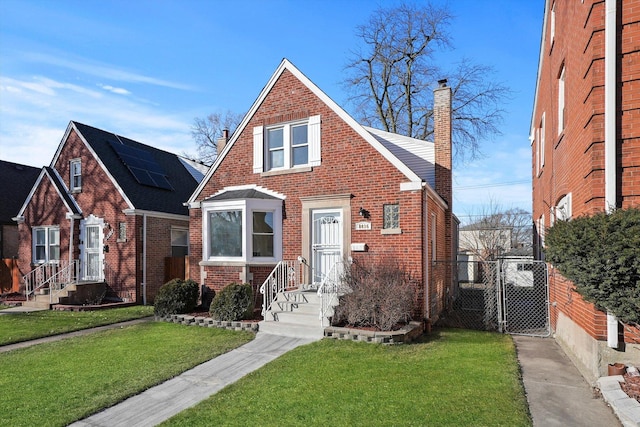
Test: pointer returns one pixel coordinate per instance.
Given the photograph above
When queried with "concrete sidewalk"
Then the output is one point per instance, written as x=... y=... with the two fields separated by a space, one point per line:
x=161 y=402
x=557 y=393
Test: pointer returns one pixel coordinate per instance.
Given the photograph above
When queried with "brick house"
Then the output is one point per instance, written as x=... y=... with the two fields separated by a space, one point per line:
x=301 y=180
x=107 y=209
x=586 y=153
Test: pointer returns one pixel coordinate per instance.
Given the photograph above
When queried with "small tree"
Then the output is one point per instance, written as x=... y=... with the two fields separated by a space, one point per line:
x=600 y=254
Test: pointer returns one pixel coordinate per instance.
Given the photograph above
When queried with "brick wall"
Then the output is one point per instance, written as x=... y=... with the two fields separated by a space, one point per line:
x=574 y=158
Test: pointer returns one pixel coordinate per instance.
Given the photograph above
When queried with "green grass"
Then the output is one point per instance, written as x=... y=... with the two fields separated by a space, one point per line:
x=17 y=327
x=57 y=383
x=456 y=378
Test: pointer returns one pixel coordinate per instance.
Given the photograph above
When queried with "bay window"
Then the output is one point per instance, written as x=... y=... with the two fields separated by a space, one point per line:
x=243 y=230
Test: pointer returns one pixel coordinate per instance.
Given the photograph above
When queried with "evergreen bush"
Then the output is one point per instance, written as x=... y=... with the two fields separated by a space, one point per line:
x=176 y=297
x=234 y=302
x=600 y=254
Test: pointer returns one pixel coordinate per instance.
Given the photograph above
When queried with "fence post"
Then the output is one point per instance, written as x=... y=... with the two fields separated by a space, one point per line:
x=500 y=295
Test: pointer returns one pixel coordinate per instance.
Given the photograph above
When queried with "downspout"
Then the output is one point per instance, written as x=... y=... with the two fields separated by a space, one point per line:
x=610 y=190
x=144 y=259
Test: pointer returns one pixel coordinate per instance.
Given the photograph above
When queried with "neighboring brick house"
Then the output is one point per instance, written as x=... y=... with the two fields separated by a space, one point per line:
x=17 y=181
x=301 y=178
x=586 y=152
x=111 y=204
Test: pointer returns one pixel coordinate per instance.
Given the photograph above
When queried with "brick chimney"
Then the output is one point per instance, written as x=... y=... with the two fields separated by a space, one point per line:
x=222 y=142
x=442 y=140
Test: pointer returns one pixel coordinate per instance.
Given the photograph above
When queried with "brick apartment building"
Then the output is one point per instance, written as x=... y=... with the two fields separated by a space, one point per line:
x=585 y=133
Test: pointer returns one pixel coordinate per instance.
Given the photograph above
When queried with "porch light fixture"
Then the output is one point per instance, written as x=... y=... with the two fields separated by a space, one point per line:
x=363 y=212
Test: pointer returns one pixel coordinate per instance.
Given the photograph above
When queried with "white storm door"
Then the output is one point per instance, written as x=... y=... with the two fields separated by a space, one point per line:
x=92 y=254
x=326 y=242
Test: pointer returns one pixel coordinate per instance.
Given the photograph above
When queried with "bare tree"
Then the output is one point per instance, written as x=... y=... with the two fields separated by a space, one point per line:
x=207 y=131
x=392 y=76
x=496 y=231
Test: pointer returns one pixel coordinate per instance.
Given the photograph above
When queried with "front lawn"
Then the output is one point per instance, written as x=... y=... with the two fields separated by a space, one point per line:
x=454 y=378
x=61 y=382
x=17 y=327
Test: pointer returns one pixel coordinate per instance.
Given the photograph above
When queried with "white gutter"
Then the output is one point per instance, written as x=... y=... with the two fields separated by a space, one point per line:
x=144 y=259
x=610 y=190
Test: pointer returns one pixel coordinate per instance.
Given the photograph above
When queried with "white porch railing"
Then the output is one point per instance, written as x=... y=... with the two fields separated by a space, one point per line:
x=286 y=276
x=64 y=277
x=329 y=290
x=50 y=276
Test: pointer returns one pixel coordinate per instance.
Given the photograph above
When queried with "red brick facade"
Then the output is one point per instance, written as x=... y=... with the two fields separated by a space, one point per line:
x=352 y=175
x=99 y=198
x=569 y=149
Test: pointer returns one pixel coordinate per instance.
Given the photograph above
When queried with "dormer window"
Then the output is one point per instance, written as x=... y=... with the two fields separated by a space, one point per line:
x=75 y=179
x=287 y=146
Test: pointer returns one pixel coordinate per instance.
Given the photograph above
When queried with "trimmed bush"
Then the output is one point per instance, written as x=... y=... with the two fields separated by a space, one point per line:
x=234 y=302
x=382 y=295
x=600 y=254
x=176 y=297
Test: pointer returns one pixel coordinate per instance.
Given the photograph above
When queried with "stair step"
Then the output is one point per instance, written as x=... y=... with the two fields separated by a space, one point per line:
x=37 y=303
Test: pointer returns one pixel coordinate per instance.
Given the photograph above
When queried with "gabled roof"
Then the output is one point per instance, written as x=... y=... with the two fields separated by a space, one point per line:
x=50 y=173
x=181 y=175
x=400 y=151
x=17 y=180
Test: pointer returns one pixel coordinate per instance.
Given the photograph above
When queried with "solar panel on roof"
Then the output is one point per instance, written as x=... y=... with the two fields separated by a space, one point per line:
x=144 y=168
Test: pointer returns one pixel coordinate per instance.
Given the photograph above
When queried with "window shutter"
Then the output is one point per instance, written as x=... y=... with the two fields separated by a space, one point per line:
x=314 y=141
x=258 y=148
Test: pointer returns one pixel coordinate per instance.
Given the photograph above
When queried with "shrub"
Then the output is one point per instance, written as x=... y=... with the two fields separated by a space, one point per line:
x=381 y=295
x=600 y=254
x=176 y=297
x=233 y=302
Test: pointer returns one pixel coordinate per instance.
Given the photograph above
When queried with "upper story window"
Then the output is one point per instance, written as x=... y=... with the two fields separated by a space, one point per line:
x=75 y=178
x=286 y=146
x=46 y=244
x=540 y=145
x=561 y=98
x=245 y=230
x=563 y=208
x=552 y=31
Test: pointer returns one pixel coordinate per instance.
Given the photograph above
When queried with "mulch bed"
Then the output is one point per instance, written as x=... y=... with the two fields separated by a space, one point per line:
x=631 y=386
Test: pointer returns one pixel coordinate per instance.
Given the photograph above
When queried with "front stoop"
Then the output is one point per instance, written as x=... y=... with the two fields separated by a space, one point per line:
x=626 y=409
x=294 y=314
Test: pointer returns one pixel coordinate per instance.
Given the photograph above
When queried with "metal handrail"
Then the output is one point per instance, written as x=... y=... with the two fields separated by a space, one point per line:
x=41 y=276
x=66 y=276
x=285 y=276
x=329 y=290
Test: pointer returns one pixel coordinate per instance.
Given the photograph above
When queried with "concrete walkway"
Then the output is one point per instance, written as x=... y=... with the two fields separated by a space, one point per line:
x=161 y=402
x=557 y=393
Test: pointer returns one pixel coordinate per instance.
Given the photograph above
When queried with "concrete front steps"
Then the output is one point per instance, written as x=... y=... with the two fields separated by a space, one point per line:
x=73 y=294
x=294 y=314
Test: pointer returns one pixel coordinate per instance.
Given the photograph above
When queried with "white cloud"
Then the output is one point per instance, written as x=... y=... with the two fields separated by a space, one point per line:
x=117 y=90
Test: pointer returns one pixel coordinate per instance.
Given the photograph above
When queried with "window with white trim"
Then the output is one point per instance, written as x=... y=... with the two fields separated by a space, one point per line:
x=541 y=143
x=561 y=99
x=287 y=145
x=433 y=237
x=242 y=230
x=553 y=24
x=563 y=208
x=75 y=178
x=46 y=244
x=179 y=242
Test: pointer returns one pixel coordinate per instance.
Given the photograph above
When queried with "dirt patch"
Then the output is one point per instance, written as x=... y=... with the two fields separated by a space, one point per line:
x=631 y=386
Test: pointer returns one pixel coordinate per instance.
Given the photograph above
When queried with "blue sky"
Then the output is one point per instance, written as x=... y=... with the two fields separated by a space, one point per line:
x=145 y=69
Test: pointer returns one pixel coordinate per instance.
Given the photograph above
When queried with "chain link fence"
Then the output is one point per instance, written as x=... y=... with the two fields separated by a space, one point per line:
x=509 y=295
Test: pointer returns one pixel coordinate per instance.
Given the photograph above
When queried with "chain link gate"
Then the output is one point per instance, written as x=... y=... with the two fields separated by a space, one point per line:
x=508 y=295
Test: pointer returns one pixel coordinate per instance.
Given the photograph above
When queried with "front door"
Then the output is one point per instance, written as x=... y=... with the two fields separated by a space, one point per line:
x=91 y=250
x=326 y=242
